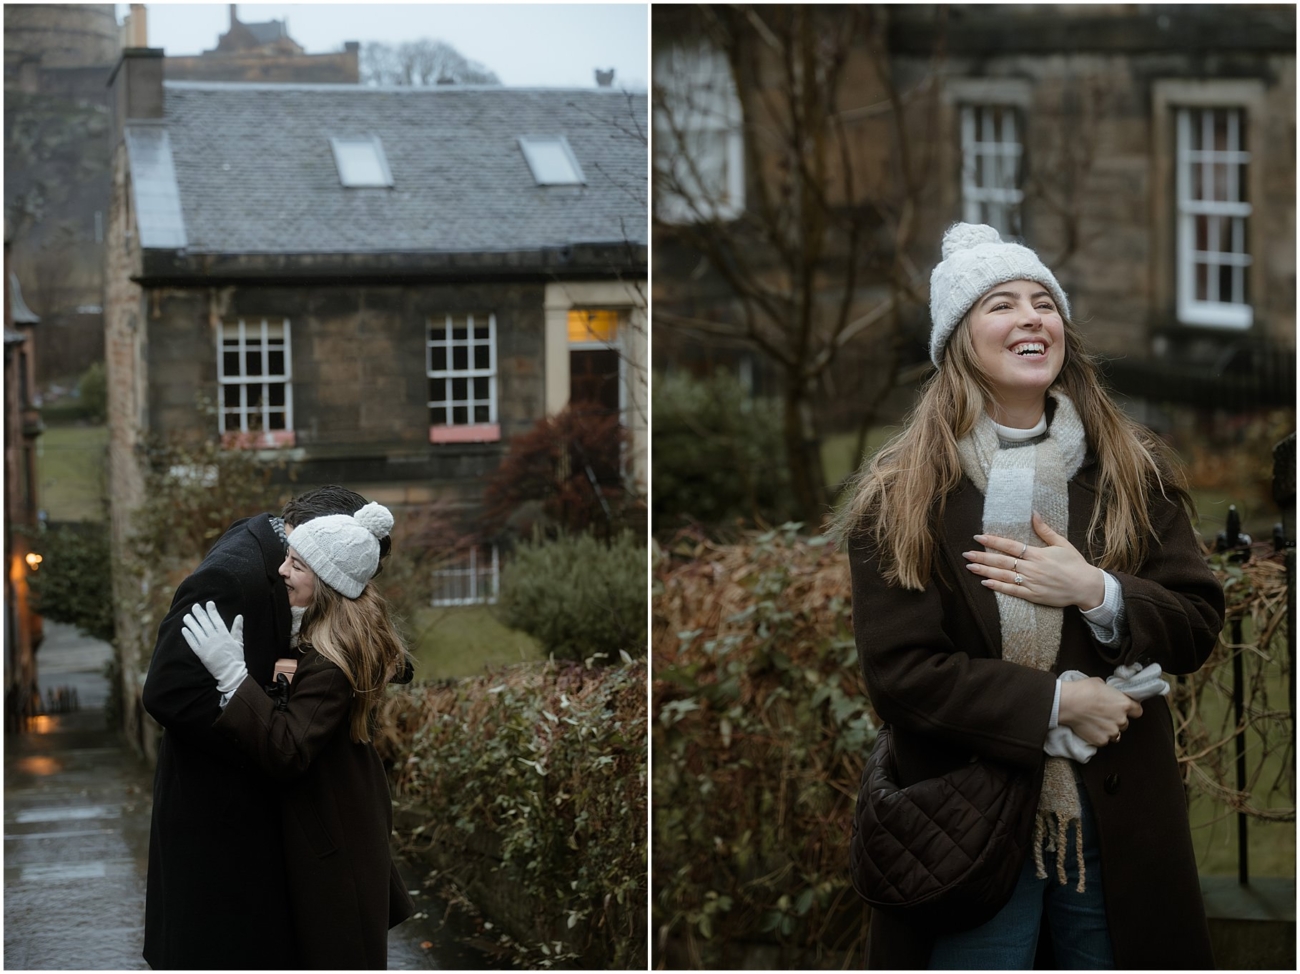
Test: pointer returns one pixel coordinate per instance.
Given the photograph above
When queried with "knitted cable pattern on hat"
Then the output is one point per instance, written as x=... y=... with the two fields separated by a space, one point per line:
x=975 y=259
x=343 y=549
x=1017 y=480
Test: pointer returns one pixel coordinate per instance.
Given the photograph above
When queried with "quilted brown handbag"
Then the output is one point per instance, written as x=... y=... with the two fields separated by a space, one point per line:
x=943 y=853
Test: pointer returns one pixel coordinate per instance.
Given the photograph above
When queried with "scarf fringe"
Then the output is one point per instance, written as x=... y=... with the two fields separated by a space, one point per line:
x=1057 y=839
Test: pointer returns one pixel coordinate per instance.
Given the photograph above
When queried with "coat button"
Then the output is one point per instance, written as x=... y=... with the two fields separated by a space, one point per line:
x=1111 y=784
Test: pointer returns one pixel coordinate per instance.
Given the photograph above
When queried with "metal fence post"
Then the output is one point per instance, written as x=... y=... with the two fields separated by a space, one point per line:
x=1238 y=546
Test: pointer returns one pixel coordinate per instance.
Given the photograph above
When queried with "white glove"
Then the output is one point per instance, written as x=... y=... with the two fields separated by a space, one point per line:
x=1139 y=682
x=220 y=649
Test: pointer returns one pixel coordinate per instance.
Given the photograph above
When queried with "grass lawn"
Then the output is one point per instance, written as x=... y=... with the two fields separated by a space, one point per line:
x=464 y=640
x=839 y=458
x=71 y=464
x=1270 y=845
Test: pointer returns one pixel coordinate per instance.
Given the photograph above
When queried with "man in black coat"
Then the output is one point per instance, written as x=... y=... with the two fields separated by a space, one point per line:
x=217 y=895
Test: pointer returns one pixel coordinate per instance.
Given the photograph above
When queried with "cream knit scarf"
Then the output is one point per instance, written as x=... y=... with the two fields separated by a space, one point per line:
x=1016 y=480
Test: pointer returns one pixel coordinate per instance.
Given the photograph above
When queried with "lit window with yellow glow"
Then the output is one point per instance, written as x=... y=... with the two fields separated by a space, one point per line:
x=593 y=326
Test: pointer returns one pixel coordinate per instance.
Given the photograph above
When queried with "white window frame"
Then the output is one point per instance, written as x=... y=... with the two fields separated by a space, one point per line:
x=995 y=201
x=530 y=144
x=697 y=100
x=386 y=175
x=1212 y=311
x=449 y=374
x=266 y=379
x=467 y=569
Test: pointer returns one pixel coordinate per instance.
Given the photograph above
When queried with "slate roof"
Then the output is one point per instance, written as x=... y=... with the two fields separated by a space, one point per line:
x=255 y=172
x=18 y=310
x=267 y=32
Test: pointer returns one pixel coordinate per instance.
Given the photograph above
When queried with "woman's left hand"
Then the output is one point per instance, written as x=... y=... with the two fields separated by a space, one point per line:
x=1056 y=575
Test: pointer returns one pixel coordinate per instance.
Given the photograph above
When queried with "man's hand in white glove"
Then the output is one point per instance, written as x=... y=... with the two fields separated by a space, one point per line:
x=220 y=649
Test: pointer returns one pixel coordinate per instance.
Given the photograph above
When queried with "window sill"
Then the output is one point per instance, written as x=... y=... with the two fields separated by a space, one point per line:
x=1205 y=314
x=268 y=440
x=475 y=433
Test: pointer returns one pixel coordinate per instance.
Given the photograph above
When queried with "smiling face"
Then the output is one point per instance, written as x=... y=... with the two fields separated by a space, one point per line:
x=1019 y=340
x=299 y=580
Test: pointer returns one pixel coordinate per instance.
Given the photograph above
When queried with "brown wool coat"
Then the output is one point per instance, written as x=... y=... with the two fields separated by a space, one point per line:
x=336 y=816
x=932 y=666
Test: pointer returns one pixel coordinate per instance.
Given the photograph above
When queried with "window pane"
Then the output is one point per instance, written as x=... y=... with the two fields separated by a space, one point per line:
x=458 y=334
x=438 y=416
x=459 y=358
x=438 y=359
x=359 y=163
x=1202 y=283
x=277 y=394
x=459 y=415
x=481 y=333
x=482 y=357
x=438 y=390
x=481 y=387
x=253 y=362
x=480 y=414
x=1202 y=232
x=230 y=363
x=459 y=390
x=437 y=334
x=549 y=161
x=276 y=421
x=275 y=362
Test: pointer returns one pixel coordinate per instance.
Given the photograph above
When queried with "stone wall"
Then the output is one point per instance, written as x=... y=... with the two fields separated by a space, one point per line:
x=337 y=67
x=125 y=336
x=360 y=389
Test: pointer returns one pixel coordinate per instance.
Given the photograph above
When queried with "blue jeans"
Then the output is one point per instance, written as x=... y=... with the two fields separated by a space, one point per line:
x=1080 y=937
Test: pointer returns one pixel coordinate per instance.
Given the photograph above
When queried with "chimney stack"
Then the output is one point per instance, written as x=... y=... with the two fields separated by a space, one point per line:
x=136 y=86
x=137 y=27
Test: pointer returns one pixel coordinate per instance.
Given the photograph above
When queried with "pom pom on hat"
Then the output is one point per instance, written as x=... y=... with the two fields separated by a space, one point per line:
x=376 y=519
x=343 y=549
x=964 y=236
x=975 y=258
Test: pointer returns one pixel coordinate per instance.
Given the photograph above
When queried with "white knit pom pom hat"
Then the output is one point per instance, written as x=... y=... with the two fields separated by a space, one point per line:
x=343 y=549
x=975 y=259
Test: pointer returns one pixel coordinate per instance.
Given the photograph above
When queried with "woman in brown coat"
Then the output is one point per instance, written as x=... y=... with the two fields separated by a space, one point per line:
x=1024 y=571
x=314 y=741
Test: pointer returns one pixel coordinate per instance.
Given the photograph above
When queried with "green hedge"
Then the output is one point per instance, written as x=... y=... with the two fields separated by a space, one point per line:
x=580 y=597
x=718 y=454
x=547 y=763
x=760 y=726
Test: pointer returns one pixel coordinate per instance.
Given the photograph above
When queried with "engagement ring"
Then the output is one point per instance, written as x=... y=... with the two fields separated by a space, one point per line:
x=1019 y=579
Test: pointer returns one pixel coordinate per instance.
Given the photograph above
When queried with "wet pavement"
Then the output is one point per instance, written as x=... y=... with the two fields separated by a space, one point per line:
x=77 y=802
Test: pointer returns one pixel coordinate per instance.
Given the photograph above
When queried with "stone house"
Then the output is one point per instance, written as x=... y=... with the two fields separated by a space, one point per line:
x=379 y=287
x=1148 y=152
x=262 y=52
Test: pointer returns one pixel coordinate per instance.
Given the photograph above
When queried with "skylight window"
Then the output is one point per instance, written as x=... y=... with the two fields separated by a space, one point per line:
x=552 y=161
x=361 y=161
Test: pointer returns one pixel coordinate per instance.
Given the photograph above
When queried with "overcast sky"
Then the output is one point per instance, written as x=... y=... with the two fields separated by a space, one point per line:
x=533 y=44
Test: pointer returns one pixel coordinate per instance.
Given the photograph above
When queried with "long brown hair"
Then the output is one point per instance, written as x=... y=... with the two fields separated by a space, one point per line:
x=358 y=636
x=898 y=495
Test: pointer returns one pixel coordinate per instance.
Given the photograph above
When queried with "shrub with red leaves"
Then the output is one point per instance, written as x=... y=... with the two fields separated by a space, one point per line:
x=563 y=475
